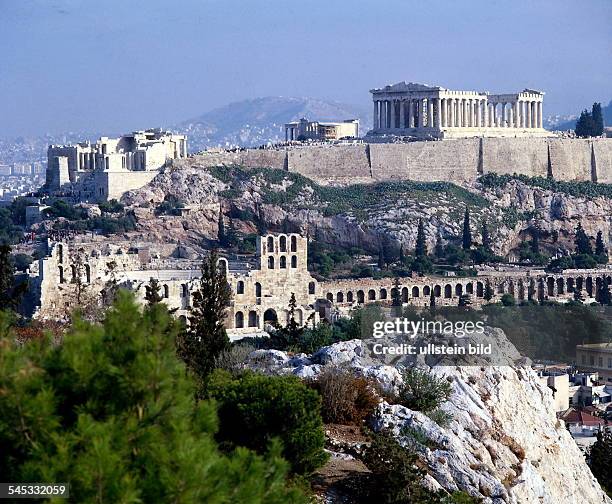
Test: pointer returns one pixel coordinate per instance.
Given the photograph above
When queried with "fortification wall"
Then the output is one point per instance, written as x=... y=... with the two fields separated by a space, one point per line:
x=112 y=185
x=457 y=160
x=324 y=163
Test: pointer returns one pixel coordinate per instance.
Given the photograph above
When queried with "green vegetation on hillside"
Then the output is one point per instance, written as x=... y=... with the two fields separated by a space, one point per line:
x=585 y=189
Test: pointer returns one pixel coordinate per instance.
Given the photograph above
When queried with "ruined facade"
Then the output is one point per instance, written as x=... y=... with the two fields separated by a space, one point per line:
x=109 y=167
x=322 y=131
x=262 y=285
x=426 y=111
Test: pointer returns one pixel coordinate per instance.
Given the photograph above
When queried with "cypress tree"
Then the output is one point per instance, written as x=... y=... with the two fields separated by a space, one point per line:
x=439 y=250
x=488 y=291
x=221 y=234
x=582 y=242
x=600 y=249
x=585 y=125
x=205 y=338
x=535 y=241
x=7 y=277
x=600 y=456
x=467 y=233
x=486 y=239
x=604 y=296
x=597 y=118
x=420 y=250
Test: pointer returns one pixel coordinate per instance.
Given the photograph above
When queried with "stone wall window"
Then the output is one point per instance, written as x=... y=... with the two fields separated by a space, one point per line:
x=270 y=262
x=87 y=273
x=293 y=244
x=349 y=297
x=311 y=288
x=479 y=289
x=73 y=271
x=415 y=292
x=257 y=289
x=340 y=297
x=360 y=297
x=383 y=293
x=283 y=243
x=294 y=261
x=61 y=275
x=252 y=318
x=426 y=290
x=239 y=320
x=330 y=296
x=283 y=262
x=60 y=253
x=166 y=292
x=270 y=244
x=184 y=291
x=437 y=291
x=240 y=287
x=448 y=291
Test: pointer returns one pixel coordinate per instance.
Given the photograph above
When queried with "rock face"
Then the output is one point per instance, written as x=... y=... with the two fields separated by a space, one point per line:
x=275 y=198
x=504 y=443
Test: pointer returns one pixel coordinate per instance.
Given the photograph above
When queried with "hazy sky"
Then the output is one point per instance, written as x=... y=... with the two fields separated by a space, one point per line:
x=115 y=65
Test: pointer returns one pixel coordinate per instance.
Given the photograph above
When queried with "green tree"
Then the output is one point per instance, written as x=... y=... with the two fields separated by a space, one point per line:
x=10 y=292
x=439 y=249
x=585 y=125
x=582 y=241
x=466 y=239
x=535 y=241
x=600 y=249
x=508 y=300
x=254 y=409
x=420 y=250
x=603 y=294
x=486 y=238
x=112 y=412
x=205 y=338
x=600 y=456
x=598 y=121
x=288 y=336
x=152 y=292
x=488 y=291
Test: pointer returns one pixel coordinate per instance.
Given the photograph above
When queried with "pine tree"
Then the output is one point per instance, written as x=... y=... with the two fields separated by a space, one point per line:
x=467 y=233
x=598 y=122
x=396 y=297
x=600 y=456
x=486 y=239
x=152 y=292
x=582 y=241
x=205 y=338
x=288 y=336
x=432 y=301
x=420 y=250
x=112 y=411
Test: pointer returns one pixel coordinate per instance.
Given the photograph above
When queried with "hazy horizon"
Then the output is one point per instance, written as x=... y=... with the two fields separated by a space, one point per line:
x=124 y=65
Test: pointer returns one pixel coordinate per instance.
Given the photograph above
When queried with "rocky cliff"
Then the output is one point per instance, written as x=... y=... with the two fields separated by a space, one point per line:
x=361 y=215
x=504 y=443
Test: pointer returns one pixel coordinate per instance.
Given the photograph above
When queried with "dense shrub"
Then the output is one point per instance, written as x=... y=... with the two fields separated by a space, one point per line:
x=347 y=399
x=111 y=206
x=508 y=300
x=254 y=409
x=423 y=391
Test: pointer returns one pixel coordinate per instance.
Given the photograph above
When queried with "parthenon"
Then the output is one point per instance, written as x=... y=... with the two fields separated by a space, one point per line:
x=422 y=111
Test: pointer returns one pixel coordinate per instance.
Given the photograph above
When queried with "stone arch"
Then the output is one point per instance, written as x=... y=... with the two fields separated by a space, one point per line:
x=532 y=289
x=311 y=288
x=166 y=291
x=598 y=284
x=294 y=261
x=270 y=244
x=88 y=273
x=330 y=297
x=253 y=318
x=469 y=288
x=541 y=289
x=570 y=285
x=550 y=283
x=293 y=244
x=222 y=265
x=239 y=320
x=257 y=289
x=479 y=289
x=271 y=262
x=349 y=297
x=360 y=296
x=60 y=270
x=459 y=290
x=560 y=286
x=521 y=290
x=240 y=287
x=270 y=316
x=437 y=291
x=73 y=272
x=340 y=297
x=511 y=288
x=282 y=262
x=589 y=286
x=404 y=294
x=448 y=291
x=282 y=243
x=579 y=283
x=426 y=291
x=371 y=295
x=185 y=290
x=415 y=292
x=383 y=293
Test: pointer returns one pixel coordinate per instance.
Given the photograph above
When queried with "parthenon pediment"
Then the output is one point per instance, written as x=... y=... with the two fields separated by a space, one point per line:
x=407 y=86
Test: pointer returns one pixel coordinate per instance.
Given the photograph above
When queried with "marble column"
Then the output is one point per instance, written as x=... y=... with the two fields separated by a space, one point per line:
x=410 y=114
x=438 y=113
x=502 y=116
x=383 y=114
x=510 y=118
x=452 y=112
x=419 y=112
x=485 y=113
x=374 y=116
x=539 y=114
x=517 y=117
x=393 y=102
x=402 y=114
x=429 y=113
x=528 y=105
x=478 y=113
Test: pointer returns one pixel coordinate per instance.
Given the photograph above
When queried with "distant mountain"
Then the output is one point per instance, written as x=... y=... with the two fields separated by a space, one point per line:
x=562 y=123
x=259 y=121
